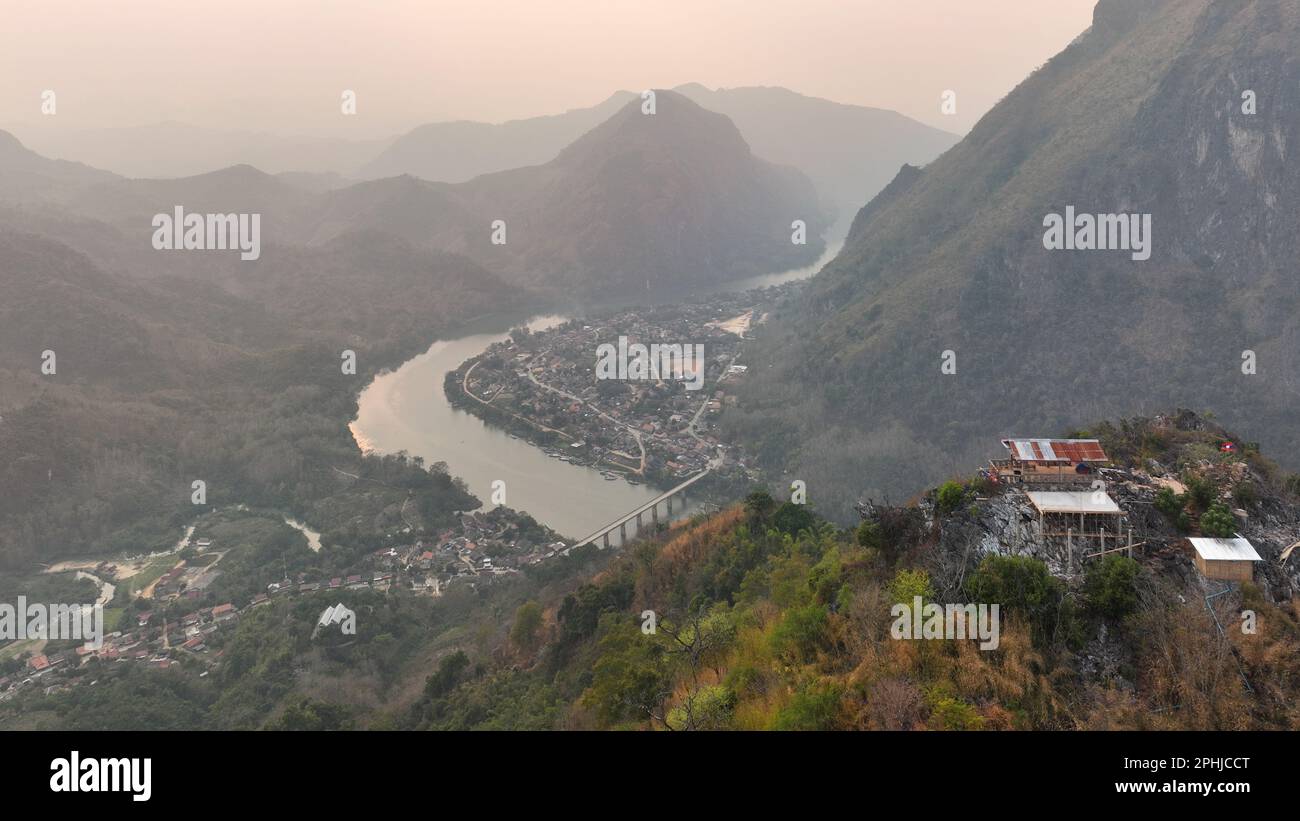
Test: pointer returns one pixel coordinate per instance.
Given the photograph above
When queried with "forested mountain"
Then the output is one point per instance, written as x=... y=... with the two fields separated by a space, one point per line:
x=641 y=202
x=461 y=150
x=849 y=152
x=166 y=364
x=162 y=381
x=644 y=201
x=766 y=616
x=173 y=149
x=28 y=177
x=1183 y=111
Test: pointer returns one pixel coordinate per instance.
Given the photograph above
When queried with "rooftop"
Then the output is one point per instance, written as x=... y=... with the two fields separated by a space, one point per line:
x=1053 y=450
x=1082 y=501
x=1226 y=550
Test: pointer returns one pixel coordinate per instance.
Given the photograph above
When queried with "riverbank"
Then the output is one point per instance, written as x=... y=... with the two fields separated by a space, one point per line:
x=500 y=455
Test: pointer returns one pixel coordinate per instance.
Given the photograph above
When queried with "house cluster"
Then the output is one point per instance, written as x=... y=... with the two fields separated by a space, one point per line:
x=647 y=428
x=1064 y=482
x=378 y=581
x=482 y=546
x=188 y=580
x=148 y=639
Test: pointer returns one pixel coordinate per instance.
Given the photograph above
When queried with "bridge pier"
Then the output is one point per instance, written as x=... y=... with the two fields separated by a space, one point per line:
x=639 y=515
x=622 y=532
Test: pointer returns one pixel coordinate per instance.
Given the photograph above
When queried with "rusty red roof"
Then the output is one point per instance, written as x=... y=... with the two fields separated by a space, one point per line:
x=1055 y=450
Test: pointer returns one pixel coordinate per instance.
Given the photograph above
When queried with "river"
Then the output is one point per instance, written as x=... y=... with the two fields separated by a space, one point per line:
x=406 y=409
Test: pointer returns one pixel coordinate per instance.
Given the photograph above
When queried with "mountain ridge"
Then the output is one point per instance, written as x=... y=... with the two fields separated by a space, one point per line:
x=1045 y=339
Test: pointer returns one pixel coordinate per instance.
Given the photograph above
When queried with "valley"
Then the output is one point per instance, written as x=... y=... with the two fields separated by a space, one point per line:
x=698 y=408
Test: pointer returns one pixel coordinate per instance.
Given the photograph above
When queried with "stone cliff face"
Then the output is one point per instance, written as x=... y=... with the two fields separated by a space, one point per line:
x=1002 y=521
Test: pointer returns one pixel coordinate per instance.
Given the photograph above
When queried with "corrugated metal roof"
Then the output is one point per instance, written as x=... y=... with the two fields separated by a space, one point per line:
x=1226 y=550
x=1079 y=501
x=1050 y=450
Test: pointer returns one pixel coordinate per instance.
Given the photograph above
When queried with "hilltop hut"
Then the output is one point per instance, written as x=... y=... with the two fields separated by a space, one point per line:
x=1078 y=513
x=1230 y=560
x=1049 y=461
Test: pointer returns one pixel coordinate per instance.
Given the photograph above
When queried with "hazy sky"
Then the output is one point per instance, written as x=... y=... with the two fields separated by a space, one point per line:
x=282 y=65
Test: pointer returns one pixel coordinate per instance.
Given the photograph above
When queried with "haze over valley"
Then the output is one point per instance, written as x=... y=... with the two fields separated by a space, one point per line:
x=504 y=368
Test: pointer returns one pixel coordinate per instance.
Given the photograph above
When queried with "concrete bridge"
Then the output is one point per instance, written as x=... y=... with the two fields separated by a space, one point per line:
x=651 y=506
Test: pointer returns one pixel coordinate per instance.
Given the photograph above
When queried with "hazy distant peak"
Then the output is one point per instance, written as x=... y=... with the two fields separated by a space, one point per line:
x=236 y=172
x=462 y=150
x=688 y=88
x=677 y=121
x=8 y=142
x=35 y=172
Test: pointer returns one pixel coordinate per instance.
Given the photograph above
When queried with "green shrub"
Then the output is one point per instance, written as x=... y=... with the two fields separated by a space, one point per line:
x=868 y=535
x=1168 y=502
x=801 y=632
x=528 y=623
x=1244 y=494
x=759 y=503
x=1292 y=484
x=908 y=584
x=791 y=518
x=1023 y=584
x=1110 y=586
x=813 y=708
x=1218 y=522
x=711 y=709
x=824 y=579
x=1200 y=491
x=949 y=496
x=955 y=714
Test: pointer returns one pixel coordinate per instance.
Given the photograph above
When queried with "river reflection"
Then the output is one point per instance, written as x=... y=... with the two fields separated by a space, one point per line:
x=407 y=409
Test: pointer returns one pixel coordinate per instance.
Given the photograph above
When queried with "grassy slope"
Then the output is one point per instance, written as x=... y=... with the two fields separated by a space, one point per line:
x=795 y=633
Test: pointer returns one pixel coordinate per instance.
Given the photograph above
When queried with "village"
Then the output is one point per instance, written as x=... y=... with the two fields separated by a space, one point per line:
x=174 y=620
x=655 y=426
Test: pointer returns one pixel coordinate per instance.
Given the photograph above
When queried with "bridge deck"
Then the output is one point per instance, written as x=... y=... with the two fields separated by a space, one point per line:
x=643 y=508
